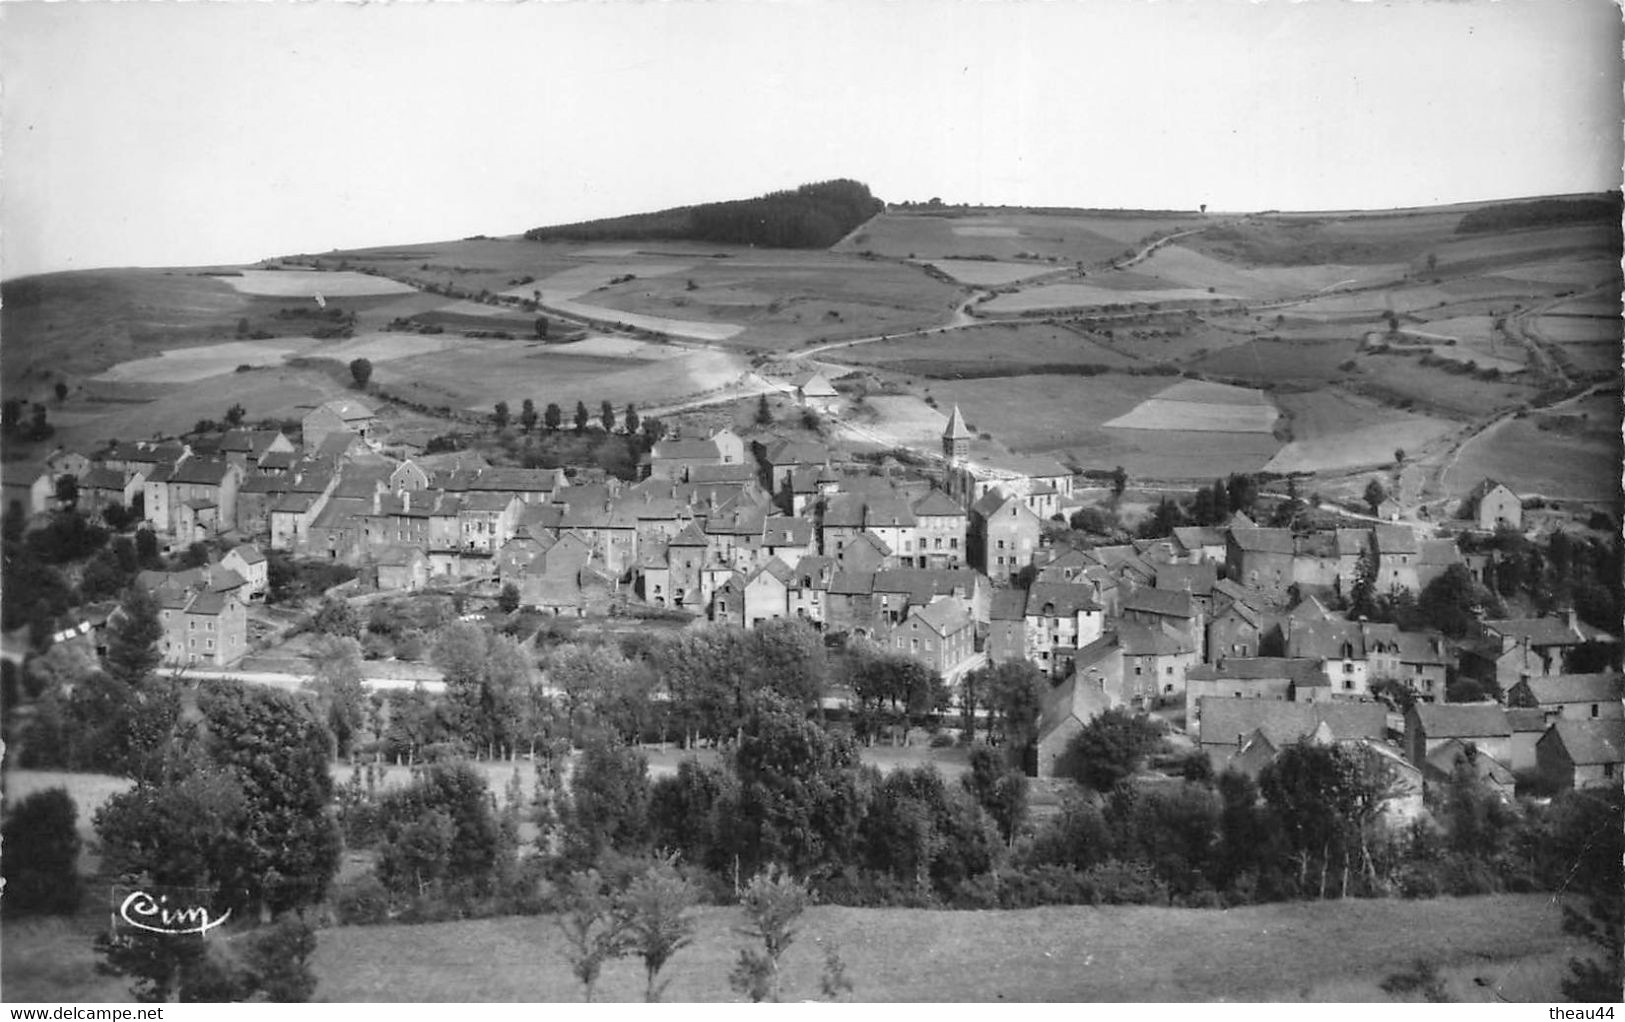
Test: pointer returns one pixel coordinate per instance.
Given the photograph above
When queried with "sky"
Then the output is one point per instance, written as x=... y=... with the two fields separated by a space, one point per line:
x=181 y=134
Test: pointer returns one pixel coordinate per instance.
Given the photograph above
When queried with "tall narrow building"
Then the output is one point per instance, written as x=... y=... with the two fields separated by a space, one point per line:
x=956 y=438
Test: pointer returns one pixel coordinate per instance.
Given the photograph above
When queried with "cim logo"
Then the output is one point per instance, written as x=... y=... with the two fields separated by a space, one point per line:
x=170 y=911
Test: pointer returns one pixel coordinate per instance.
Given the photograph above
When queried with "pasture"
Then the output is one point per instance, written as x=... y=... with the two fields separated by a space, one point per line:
x=1198 y=407
x=1280 y=360
x=309 y=283
x=1184 y=266
x=475 y=374
x=780 y=300
x=987 y=348
x=1086 y=296
x=989 y=272
x=1064 y=415
x=1571 y=458
x=1090 y=237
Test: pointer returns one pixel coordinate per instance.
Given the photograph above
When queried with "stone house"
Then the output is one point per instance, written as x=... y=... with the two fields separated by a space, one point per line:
x=940 y=530
x=1494 y=506
x=1276 y=678
x=1429 y=725
x=1572 y=696
x=1003 y=536
x=340 y=415
x=1582 y=753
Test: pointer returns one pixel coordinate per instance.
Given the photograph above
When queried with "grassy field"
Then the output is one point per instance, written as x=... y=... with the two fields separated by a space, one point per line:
x=782 y=300
x=984 y=348
x=309 y=283
x=1064 y=415
x=1572 y=457
x=988 y=272
x=1200 y=407
x=1065 y=237
x=1506 y=947
x=1268 y=360
x=1093 y=295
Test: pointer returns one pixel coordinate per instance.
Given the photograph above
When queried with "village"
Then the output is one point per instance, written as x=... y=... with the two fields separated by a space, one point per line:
x=1236 y=634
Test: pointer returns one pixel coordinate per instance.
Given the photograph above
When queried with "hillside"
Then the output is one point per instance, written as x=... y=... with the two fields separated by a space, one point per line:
x=812 y=216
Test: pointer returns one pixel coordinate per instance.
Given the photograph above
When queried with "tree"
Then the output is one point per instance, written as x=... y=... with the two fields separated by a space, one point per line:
x=1399 y=456
x=630 y=419
x=339 y=685
x=1243 y=492
x=61 y=391
x=1448 y=602
x=1363 y=595
x=998 y=789
x=360 y=372
x=42 y=854
x=582 y=418
x=653 y=430
x=541 y=327
x=552 y=417
x=764 y=412
x=234 y=416
x=1375 y=495
x=606 y=415
x=133 y=633
x=595 y=931
x=441 y=829
x=508 y=598
x=798 y=799
x=335 y=616
x=659 y=921
x=773 y=902
x=527 y=415
x=277 y=748
x=1012 y=692
x=609 y=801
x=1119 y=481
x=1109 y=748
x=499 y=415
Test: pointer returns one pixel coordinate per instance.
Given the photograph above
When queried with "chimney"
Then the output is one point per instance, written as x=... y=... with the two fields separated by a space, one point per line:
x=1574 y=624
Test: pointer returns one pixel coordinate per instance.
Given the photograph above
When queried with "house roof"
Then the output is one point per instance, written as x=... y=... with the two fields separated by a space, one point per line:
x=686 y=450
x=1162 y=602
x=1295 y=669
x=1263 y=541
x=1537 y=631
x=277 y=460
x=200 y=472
x=776 y=569
x=1462 y=720
x=1589 y=742
x=689 y=535
x=790 y=451
x=1439 y=552
x=1196 y=579
x=937 y=503
x=740 y=473
x=1195 y=537
x=887 y=512
x=872 y=540
x=1059 y=599
x=210 y=603
x=1483 y=489
x=102 y=479
x=852 y=583
x=348 y=409
x=1078 y=696
x=1352 y=542
x=1443 y=760
x=816 y=569
x=943 y=615
x=1282 y=723
x=814 y=384
x=844 y=511
x=923 y=584
x=1576 y=688
x=250 y=553
x=1395 y=539
x=781 y=530
x=1522 y=719
x=1008 y=605
x=1151 y=640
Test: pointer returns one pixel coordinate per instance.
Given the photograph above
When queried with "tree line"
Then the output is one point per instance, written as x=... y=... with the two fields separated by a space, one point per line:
x=812 y=216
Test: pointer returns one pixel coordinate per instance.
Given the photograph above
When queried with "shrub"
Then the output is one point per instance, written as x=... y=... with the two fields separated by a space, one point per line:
x=41 y=855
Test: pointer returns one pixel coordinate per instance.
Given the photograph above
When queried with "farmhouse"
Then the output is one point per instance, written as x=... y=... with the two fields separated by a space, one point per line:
x=1247 y=733
x=1003 y=535
x=814 y=391
x=345 y=414
x=1276 y=678
x=1493 y=506
x=1066 y=710
x=1582 y=753
x=1572 y=696
x=1428 y=726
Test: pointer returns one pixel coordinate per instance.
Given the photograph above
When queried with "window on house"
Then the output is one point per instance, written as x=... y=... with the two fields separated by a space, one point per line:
x=1348 y=668
x=953 y=543
x=1593 y=709
x=1348 y=684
